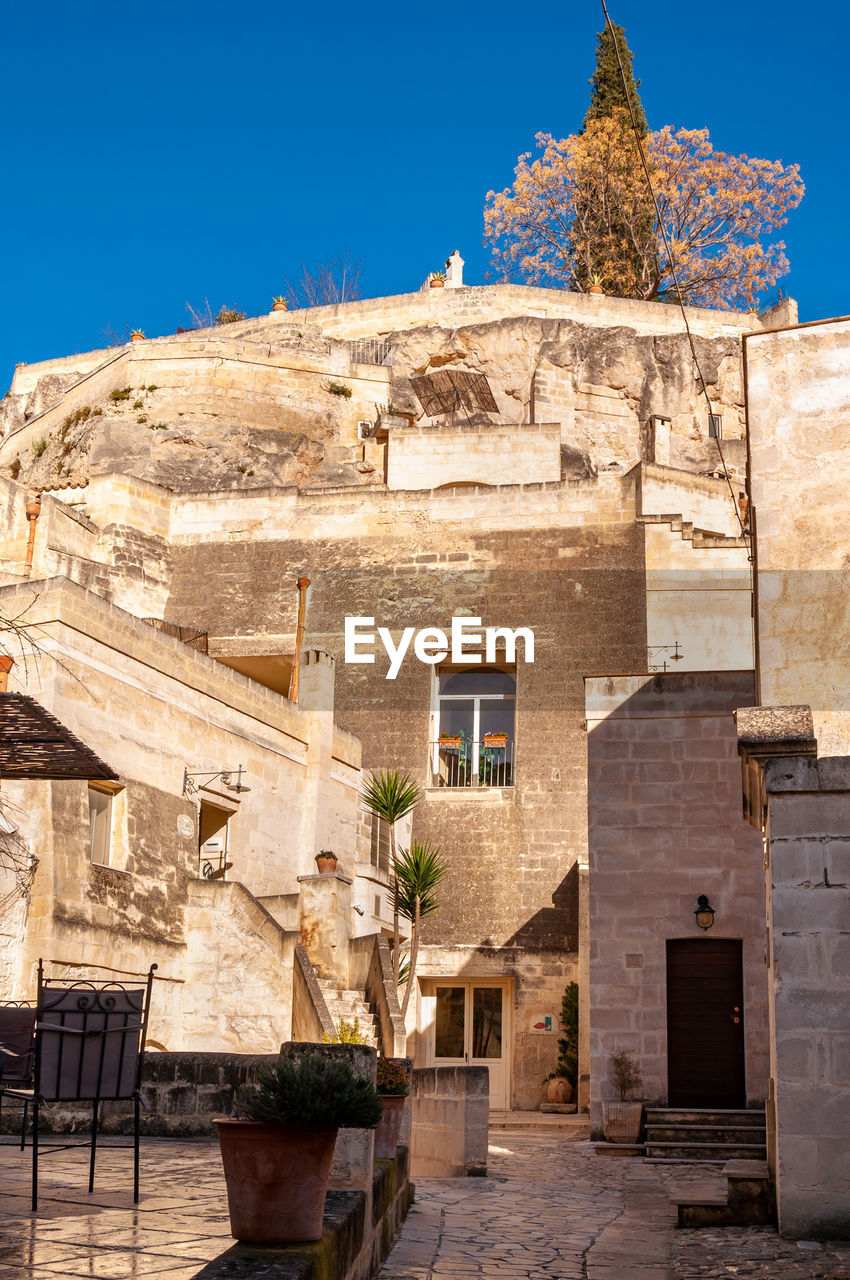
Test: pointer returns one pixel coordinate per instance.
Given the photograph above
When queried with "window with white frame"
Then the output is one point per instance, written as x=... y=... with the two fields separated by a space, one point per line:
x=100 y=825
x=474 y=743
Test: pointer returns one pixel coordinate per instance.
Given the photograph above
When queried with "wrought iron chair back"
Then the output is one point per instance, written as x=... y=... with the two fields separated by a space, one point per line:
x=89 y=1047
x=17 y=1031
x=90 y=1041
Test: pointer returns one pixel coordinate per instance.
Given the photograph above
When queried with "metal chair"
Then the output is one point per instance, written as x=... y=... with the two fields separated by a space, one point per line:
x=17 y=1038
x=89 y=1047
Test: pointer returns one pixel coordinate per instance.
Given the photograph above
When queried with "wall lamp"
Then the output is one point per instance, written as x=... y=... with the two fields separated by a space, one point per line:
x=704 y=914
x=231 y=780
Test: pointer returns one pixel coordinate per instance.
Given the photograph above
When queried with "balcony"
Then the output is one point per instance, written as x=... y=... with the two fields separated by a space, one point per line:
x=464 y=763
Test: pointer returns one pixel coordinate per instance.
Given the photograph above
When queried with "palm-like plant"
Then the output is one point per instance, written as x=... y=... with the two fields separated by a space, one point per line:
x=418 y=871
x=391 y=795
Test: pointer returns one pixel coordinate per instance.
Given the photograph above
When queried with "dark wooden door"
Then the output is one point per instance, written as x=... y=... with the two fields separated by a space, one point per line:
x=705 y=1023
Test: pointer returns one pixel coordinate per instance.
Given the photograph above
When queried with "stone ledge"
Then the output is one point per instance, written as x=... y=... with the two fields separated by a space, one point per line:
x=350 y=1248
x=774 y=731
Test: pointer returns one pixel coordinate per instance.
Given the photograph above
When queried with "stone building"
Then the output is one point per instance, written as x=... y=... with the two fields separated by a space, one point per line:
x=795 y=749
x=534 y=459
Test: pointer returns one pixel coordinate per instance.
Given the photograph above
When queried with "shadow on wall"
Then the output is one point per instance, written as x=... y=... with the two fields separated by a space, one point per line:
x=555 y=926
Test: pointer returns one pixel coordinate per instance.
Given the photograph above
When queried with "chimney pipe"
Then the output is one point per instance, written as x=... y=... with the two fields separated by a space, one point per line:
x=33 y=512
x=303 y=584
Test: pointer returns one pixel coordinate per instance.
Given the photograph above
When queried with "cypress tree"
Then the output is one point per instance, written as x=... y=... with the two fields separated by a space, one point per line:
x=607 y=91
x=619 y=240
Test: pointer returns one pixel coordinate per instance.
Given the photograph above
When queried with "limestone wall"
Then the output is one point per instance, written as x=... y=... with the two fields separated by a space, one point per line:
x=429 y=457
x=798 y=384
x=808 y=840
x=664 y=827
x=153 y=707
x=449 y=1122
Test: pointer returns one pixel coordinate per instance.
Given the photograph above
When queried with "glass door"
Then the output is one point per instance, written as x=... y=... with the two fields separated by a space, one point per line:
x=469 y=1030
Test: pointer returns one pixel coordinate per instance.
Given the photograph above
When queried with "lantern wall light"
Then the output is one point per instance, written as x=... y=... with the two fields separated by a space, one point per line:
x=704 y=914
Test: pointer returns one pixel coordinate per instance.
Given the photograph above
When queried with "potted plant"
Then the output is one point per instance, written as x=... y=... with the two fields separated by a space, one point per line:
x=596 y=282
x=326 y=861
x=495 y=740
x=279 y=303
x=137 y=335
x=438 y=279
x=277 y=1151
x=393 y=1088
x=450 y=740
x=621 y=1120
x=563 y=1081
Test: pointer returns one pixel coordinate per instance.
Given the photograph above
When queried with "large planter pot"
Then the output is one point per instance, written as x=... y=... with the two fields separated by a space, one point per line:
x=277 y=1178
x=560 y=1090
x=389 y=1126
x=326 y=865
x=621 y=1121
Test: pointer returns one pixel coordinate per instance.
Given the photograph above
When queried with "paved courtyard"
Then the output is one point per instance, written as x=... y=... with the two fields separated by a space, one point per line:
x=551 y=1208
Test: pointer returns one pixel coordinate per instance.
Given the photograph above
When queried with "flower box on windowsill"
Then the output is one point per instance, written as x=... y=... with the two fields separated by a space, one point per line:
x=495 y=740
x=446 y=741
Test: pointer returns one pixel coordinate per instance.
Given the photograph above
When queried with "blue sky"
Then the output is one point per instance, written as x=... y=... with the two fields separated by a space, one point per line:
x=165 y=153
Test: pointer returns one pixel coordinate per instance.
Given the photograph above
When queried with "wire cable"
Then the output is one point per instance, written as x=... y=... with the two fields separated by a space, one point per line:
x=673 y=272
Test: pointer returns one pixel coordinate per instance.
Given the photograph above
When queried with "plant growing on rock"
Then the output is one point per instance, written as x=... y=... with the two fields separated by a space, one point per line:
x=347 y=1033
x=338 y=389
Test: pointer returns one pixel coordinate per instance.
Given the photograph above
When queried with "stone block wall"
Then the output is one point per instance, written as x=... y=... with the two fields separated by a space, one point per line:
x=450 y=1113
x=431 y=456
x=664 y=827
x=807 y=830
x=798 y=395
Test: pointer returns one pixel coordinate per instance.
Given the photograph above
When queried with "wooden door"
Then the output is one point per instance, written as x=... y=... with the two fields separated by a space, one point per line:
x=705 y=1023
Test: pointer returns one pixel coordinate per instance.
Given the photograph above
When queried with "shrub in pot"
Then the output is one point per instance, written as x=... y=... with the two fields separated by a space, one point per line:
x=393 y=1088
x=621 y=1120
x=562 y=1083
x=277 y=1151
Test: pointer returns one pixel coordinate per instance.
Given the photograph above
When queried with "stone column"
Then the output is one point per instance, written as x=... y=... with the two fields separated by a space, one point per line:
x=326 y=923
x=316 y=701
x=802 y=806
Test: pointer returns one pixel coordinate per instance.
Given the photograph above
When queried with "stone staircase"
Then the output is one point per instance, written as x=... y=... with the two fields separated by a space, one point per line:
x=345 y=1006
x=713 y=1137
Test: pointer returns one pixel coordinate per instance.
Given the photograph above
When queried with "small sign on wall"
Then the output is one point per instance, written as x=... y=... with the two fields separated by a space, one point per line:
x=542 y=1023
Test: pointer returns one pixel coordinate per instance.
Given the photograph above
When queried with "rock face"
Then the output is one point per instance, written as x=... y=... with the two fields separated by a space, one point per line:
x=213 y=411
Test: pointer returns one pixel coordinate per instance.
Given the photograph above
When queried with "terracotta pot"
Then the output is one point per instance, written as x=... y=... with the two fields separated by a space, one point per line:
x=621 y=1121
x=560 y=1090
x=389 y=1126
x=596 y=288
x=280 y=306
x=438 y=284
x=449 y=742
x=277 y=1178
x=326 y=865
x=495 y=740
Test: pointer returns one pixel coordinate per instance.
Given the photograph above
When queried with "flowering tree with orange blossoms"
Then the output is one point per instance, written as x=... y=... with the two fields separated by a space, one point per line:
x=579 y=211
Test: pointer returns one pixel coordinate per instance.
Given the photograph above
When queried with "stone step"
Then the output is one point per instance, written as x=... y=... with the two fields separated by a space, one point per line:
x=708 y=1151
x=705 y=1115
x=537 y=1121
x=686 y=1133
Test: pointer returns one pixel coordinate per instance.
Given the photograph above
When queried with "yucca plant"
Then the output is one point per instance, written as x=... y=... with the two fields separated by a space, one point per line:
x=418 y=871
x=391 y=795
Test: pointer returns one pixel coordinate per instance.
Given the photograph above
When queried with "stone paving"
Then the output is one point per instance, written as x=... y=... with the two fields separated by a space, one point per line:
x=180 y=1224
x=551 y=1208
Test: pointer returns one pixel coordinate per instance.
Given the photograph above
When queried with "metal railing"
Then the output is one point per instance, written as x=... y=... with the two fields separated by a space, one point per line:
x=370 y=351
x=459 y=763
